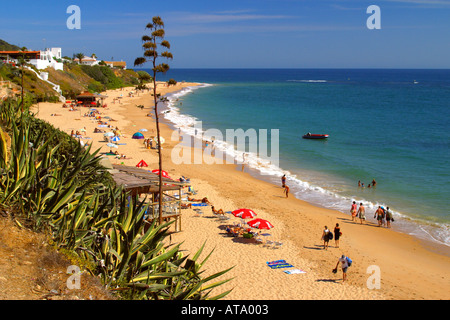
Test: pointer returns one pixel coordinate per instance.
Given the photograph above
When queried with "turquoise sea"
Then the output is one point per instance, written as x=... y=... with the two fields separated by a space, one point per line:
x=388 y=125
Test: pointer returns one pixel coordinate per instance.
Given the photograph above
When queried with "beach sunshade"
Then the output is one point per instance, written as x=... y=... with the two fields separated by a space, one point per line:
x=137 y=135
x=112 y=145
x=260 y=224
x=115 y=138
x=109 y=134
x=143 y=130
x=141 y=164
x=244 y=213
x=164 y=173
x=155 y=138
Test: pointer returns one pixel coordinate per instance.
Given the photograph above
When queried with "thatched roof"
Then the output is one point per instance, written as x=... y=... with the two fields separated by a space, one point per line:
x=140 y=180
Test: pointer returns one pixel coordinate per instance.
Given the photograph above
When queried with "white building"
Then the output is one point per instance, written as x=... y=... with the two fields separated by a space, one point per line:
x=89 y=61
x=40 y=59
x=49 y=58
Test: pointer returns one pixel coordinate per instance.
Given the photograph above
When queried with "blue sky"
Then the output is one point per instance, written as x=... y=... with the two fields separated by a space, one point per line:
x=244 y=33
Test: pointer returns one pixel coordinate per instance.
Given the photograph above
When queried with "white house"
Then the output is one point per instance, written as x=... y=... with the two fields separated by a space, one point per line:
x=89 y=61
x=49 y=58
x=40 y=59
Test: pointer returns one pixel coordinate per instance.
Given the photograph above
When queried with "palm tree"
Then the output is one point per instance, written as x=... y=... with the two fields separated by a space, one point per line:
x=79 y=56
x=150 y=45
x=22 y=60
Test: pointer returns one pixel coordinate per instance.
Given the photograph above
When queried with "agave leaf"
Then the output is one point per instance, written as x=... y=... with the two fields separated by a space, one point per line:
x=161 y=257
x=148 y=276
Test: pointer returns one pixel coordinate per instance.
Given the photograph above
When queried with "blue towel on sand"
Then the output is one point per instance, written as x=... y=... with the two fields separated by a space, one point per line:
x=279 y=264
x=199 y=204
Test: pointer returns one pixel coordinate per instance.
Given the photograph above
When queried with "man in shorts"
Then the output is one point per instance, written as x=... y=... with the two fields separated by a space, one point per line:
x=379 y=214
x=344 y=266
x=361 y=213
x=388 y=217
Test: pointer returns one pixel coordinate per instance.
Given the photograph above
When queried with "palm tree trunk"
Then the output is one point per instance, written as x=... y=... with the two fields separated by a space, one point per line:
x=21 y=103
x=155 y=98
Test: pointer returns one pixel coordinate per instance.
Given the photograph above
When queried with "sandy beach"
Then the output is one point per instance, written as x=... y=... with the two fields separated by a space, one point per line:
x=408 y=268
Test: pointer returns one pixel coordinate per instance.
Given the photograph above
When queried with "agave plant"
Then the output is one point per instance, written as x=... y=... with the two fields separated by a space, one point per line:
x=62 y=187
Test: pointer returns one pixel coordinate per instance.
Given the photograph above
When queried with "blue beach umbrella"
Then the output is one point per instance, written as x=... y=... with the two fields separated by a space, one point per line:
x=137 y=135
x=115 y=139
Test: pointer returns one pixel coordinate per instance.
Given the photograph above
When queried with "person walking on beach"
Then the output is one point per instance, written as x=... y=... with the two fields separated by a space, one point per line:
x=286 y=190
x=353 y=210
x=283 y=181
x=337 y=235
x=388 y=217
x=325 y=237
x=379 y=214
x=344 y=266
x=361 y=213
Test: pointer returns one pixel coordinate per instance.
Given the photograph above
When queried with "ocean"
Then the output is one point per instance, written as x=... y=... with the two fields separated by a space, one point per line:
x=383 y=124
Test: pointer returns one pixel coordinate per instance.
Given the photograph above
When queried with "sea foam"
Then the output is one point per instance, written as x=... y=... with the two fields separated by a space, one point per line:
x=303 y=190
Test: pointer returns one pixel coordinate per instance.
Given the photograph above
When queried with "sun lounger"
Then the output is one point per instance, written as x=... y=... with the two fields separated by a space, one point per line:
x=232 y=232
x=223 y=218
x=198 y=212
x=277 y=244
x=268 y=243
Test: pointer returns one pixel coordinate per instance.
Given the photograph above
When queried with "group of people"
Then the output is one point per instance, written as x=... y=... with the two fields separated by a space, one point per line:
x=148 y=143
x=327 y=235
x=361 y=184
x=383 y=216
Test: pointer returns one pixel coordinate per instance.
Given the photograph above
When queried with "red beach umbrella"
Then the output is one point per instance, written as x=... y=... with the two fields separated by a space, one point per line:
x=244 y=213
x=164 y=173
x=260 y=224
x=141 y=164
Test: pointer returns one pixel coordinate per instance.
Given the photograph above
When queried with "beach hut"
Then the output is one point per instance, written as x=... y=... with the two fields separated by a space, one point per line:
x=137 y=135
x=86 y=98
x=141 y=181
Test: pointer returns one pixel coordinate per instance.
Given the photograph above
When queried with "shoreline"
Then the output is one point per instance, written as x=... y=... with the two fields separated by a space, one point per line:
x=298 y=225
x=408 y=226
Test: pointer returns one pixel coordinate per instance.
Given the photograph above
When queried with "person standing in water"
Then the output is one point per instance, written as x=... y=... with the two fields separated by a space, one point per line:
x=353 y=211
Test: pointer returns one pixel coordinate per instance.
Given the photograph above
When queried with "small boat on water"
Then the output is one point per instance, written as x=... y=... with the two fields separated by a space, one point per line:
x=315 y=136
